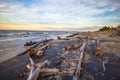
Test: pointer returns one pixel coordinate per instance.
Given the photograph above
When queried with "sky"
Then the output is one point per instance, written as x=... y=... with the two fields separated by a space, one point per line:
x=59 y=15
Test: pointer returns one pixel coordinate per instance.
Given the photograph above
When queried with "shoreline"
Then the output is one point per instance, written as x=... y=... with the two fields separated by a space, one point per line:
x=64 y=60
x=10 y=49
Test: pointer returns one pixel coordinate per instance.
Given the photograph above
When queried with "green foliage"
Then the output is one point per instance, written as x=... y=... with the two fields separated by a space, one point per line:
x=107 y=28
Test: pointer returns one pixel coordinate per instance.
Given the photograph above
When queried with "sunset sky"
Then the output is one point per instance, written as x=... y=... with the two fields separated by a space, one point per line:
x=58 y=14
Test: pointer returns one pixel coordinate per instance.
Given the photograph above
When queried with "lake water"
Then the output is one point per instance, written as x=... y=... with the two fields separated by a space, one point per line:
x=12 y=42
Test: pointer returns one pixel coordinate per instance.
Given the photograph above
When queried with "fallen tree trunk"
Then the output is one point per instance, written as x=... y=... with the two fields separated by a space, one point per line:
x=34 y=73
x=77 y=70
x=38 y=52
x=33 y=46
x=46 y=72
x=40 y=71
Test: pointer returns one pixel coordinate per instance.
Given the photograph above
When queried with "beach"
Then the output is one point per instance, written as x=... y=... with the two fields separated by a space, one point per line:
x=12 y=42
x=63 y=54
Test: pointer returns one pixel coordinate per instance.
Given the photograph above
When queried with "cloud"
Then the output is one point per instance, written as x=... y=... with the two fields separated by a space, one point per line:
x=82 y=12
x=2 y=5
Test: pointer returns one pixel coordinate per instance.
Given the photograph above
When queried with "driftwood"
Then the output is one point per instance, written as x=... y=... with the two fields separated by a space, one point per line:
x=44 y=47
x=77 y=70
x=45 y=72
x=30 y=43
x=38 y=52
x=41 y=50
x=34 y=73
x=35 y=45
x=59 y=38
x=31 y=47
x=74 y=46
x=72 y=35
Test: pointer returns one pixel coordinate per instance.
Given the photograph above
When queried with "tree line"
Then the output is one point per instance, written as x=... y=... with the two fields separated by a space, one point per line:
x=107 y=28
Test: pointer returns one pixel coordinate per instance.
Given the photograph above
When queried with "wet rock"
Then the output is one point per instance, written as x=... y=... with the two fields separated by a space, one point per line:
x=87 y=76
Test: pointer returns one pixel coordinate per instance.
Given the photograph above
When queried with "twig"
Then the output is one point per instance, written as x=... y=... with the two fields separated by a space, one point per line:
x=103 y=66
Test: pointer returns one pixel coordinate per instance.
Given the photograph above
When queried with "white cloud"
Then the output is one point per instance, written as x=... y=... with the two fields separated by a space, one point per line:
x=2 y=5
x=82 y=12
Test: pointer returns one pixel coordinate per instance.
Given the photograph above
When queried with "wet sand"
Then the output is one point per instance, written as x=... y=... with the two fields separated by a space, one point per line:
x=66 y=60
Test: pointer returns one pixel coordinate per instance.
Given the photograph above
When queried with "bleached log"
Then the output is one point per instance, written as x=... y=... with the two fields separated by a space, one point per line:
x=44 y=47
x=34 y=74
x=32 y=65
x=77 y=70
x=41 y=50
x=52 y=71
x=71 y=47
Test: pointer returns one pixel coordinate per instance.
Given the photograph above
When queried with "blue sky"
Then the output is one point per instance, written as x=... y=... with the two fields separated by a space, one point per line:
x=58 y=14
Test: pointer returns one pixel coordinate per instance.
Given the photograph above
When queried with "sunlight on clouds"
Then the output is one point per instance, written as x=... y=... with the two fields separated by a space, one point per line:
x=58 y=14
x=1 y=5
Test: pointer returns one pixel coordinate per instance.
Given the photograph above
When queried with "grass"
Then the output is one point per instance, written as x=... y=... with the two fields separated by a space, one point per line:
x=105 y=32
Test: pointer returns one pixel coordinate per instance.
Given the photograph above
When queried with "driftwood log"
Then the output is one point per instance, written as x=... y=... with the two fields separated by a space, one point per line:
x=38 y=52
x=74 y=46
x=59 y=38
x=35 y=45
x=36 y=69
x=34 y=73
x=77 y=70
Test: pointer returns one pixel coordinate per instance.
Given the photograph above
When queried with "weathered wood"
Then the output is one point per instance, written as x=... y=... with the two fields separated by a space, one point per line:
x=74 y=46
x=77 y=70
x=38 y=52
x=44 y=47
x=34 y=73
x=33 y=46
x=50 y=71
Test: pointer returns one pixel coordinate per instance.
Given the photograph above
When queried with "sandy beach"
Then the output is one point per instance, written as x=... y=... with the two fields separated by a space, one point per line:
x=65 y=59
